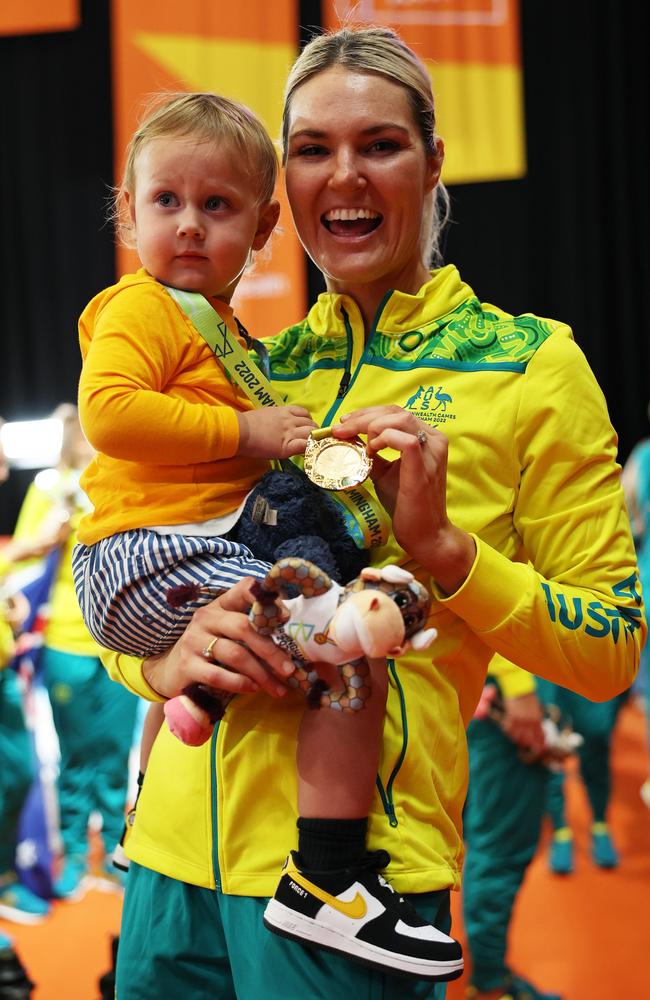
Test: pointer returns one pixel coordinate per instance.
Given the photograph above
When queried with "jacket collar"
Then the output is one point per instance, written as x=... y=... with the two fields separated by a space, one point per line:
x=399 y=312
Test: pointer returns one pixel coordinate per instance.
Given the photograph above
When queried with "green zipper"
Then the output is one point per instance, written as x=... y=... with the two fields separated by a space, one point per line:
x=386 y=794
x=349 y=378
x=344 y=384
x=215 y=819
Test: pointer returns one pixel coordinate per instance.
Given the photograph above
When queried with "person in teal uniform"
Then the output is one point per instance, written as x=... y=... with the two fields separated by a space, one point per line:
x=502 y=822
x=17 y=902
x=595 y=721
x=94 y=719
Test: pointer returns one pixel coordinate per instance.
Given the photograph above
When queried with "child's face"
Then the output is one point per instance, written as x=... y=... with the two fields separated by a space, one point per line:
x=195 y=214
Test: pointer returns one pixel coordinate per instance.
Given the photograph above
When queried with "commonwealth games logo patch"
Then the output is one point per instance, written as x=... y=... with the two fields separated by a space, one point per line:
x=432 y=404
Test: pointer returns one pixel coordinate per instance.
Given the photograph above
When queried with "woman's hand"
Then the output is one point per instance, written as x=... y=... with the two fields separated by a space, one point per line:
x=413 y=489
x=242 y=661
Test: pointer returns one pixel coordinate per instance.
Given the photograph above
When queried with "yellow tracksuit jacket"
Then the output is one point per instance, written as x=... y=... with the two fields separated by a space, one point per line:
x=160 y=413
x=533 y=475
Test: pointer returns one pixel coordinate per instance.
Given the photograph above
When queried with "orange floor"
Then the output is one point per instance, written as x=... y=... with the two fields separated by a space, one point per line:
x=586 y=936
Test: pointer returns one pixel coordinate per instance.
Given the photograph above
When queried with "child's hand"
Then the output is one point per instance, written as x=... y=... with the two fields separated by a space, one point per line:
x=274 y=431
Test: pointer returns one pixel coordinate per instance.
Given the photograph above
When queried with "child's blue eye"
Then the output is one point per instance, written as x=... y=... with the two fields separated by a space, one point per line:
x=214 y=203
x=166 y=199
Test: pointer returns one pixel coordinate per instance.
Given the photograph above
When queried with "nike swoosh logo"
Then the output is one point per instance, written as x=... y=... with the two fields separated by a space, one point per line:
x=355 y=909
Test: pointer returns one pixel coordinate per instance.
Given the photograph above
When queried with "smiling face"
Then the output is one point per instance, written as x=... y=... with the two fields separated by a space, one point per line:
x=358 y=180
x=196 y=214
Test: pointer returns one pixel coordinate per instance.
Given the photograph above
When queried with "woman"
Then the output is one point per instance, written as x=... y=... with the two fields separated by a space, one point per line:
x=520 y=534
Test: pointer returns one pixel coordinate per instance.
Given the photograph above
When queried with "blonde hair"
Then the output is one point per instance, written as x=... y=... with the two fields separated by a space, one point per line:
x=381 y=51
x=209 y=118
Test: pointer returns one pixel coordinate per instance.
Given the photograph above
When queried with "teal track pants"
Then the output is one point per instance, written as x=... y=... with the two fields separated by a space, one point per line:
x=16 y=765
x=179 y=940
x=94 y=719
x=502 y=822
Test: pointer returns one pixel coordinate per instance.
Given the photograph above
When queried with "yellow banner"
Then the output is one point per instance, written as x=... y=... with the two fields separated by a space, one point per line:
x=243 y=51
x=29 y=17
x=472 y=51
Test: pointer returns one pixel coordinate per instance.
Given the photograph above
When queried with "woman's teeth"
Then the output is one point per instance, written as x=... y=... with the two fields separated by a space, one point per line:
x=351 y=221
x=350 y=214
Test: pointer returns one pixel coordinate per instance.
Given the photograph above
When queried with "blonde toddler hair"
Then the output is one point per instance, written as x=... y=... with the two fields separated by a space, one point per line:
x=208 y=118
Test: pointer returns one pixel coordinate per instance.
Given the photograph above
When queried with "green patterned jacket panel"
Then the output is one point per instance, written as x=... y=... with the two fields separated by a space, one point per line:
x=448 y=329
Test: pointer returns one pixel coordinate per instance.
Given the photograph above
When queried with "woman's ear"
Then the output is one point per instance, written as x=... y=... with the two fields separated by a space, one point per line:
x=266 y=223
x=436 y=159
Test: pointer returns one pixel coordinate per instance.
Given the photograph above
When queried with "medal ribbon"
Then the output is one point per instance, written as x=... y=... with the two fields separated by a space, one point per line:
x=366 y=520
x=226 y=348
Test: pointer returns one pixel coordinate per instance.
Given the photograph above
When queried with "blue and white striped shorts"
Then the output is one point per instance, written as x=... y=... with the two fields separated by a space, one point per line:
x=123 y=585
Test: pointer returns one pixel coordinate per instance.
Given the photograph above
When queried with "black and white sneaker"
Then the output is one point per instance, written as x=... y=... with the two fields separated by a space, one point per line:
x=356 y=912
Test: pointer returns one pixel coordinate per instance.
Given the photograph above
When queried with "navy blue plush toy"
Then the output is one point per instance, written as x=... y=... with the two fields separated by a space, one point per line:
x=288 y=515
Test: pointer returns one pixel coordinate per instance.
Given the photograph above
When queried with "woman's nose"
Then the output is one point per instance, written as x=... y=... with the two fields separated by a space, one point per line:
x=346 y=171
x=189 y=224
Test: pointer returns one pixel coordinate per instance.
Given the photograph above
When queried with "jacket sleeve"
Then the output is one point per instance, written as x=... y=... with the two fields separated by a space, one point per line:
x=512 y=680
x=136 y=349
x=127 y=670
x=571 y=611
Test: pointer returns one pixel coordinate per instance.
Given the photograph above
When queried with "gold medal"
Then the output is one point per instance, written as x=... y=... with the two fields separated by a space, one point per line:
x=335 y=464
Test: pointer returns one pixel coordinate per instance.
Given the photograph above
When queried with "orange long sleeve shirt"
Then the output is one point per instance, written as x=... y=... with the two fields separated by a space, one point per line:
x=160 y=412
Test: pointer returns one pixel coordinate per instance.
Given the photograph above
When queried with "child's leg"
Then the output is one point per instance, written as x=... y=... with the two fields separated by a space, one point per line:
x=338 y=754
x=331 y=893
x=337 y=758
x=138 y=589
x=153 y=720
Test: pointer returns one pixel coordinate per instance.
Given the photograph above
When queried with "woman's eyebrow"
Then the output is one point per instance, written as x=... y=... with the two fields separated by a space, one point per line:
x=314 y=133
x=311 y=133
x=384 y=127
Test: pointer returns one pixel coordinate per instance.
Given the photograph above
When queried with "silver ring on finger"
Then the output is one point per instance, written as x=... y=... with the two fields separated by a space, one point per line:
x=422 y=437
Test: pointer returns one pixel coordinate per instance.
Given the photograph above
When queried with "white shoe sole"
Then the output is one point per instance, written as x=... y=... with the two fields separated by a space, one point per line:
x=82 y=888
x=281 y=920
x=105 y=883
x=20 y=916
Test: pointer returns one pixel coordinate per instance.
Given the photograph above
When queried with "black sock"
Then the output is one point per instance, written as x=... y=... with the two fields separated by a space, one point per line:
x=328 y=844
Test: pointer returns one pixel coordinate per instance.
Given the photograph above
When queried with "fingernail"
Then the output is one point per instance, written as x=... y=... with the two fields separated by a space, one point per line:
x=288 y=667
x=280 y=690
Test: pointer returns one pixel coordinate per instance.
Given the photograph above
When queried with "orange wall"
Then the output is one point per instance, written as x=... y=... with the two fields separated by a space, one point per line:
x=244 y=51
